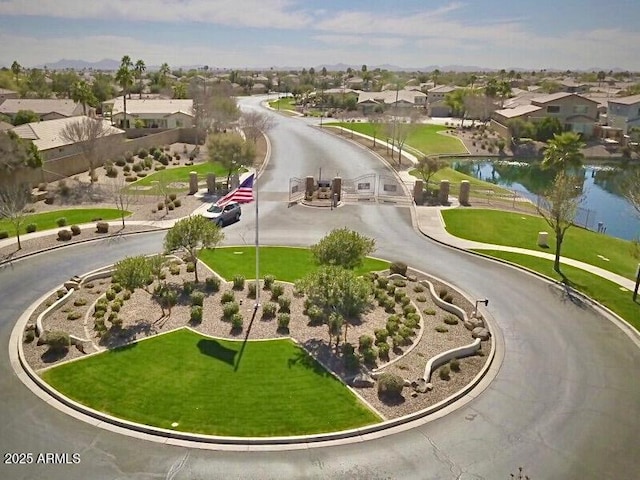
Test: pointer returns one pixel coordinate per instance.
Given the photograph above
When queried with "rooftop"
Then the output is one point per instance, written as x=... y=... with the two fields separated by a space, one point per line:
x=39 y=106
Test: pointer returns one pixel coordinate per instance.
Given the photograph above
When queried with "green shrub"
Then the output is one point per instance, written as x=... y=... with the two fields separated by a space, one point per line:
x=400 y=283
x=421 y=298
x=4 y=234
x=197 y=299
x=448 y=298
x=174 y=269
x=383 y=282
x=196 y=314
x=172 y=196
x=389 y=305
x=390 y=385
x=227 y=297
x=130 y=179
x=369 y=356
x=315 y=314
x=212 y=284
x=276 y=290
x=116 y=287
x=111 y=171
x=404 y=301
x=398 y=295
x=102 y=227
x=64 y=235
x=143 y=153
x=407 y=309
x=383 y=351
x=229 y=309
x=237 y=321
x=110 y=294
x=412 y=321
x=283 y=321
x=128 y=157
x=121 y=162
x=115 y=307
x=451 y=320
x=397 y=340
x=454 y=364
x=251 y=290
x=391 y=289
x=160 y=206
x=441 y=329
x=269 y=310
x=381 y=335
x=57 y=341
x=31 y=227
x=177 y=203
x=364 y=342
x=238 y=282
x=285 y=304
x=443 y=292
x=429 y=311
x=29 y=336
x=444 y=373
x=398 y=267
x=418 y=288
x=268 y=281
x=126 y=295
x=191 y=267
x=61 y=293
x=351 y=360
x=406 y=333
x=61 y=222
x=73 y=315
x=75 y=230
x=392 y=326
x=170 y=206
x=79 y=302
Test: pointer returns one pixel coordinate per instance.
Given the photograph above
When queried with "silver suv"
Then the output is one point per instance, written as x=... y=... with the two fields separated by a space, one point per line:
x=224 y=215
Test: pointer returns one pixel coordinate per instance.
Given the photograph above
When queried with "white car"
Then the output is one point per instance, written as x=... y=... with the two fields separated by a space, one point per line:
x=224 y=215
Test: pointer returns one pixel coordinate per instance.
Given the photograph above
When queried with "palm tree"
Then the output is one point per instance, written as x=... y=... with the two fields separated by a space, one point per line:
x=435 y=74
x=164 y=71
x=124 y=77
x=138 y=70
x=16 y=68
x=564 y=152
x=81 y=92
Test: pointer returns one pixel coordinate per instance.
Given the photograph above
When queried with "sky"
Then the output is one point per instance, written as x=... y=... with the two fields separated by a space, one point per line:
x=540 y=34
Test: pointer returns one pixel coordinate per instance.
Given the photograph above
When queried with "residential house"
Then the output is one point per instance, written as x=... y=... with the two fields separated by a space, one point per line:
x=576 y=113
x=5 y=94
x=46 y=109
x=569 y=85
x=436 y=105
x=151 y=113
x=46 y=135
x=402 y=100
x=624 y=113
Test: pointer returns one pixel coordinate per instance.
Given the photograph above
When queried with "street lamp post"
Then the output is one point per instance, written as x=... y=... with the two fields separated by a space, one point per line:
x=635 y=291
x=486 y=303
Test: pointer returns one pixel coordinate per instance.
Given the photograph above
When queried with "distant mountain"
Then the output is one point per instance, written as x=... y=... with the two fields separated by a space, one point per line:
x=396 y=68
x=104 y=64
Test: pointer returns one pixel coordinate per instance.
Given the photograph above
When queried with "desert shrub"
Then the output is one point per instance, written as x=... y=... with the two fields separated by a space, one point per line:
x=390 y=385
x=369 y=356
x=391 y=289
x=421 y=298
x=412 y=320
x=268 y=281
x=177 y=203
x=174 y=269
x=404 y=301
x=383 y=351
x=398 y=267
x=141 y=174
x=30 y=228
x=448 y=298
x=121 y=162
x=418 y=288
x=137 y=167
x=382 y=298
x=64 y=235
x=238 y=282
x=110 y=294
x=392 y=326
x=454 y=364
x=57 y=340
x=351 y=360
x=191 y=267
x=251 y=290
x=315 y=314
x=429 y=311
x=441 y=329
x=407 y=309
x=61 y=293
x=172 y=196
x=383 y=282
x=397 y=340
x=389 y=305
x=130 y=179
x=128 y=157
x=212 y=284
x=399 y=295
x=115 y=307
x=29 y=336
x=170 y=206
x=155 y=152
x=443 y=292
x=400 y=283
x=164 y=160
x=451 y=320
x=126 y=295
x=227 y=297
x=160 y=206
x=405 y=332
x=364 y=342
x=73 y=315
x=188 y=287
x=159 y=168
x=143 y=153
x=444 y=373
x=63 y=189
x=229 y=309
x=79 y=302
x=102 y=227
x=269 y=310
x=61 y=222
x=276 y=290
x=196 y=314
x=4 y=234
x=111 y=171
x=283 y=321
x=237 y=321
x=285 y=304
x=197 y=299
x=381 y=335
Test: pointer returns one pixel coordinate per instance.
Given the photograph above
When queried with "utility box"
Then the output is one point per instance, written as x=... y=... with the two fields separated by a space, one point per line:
x=543 y=239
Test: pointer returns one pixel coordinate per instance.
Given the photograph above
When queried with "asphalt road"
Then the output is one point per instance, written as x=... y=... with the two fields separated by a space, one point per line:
x=564 y=404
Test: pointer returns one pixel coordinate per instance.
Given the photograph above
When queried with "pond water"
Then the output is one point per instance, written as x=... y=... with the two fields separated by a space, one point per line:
x=604 y=206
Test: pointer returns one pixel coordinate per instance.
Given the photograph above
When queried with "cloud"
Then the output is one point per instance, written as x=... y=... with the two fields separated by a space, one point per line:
x=351 y=40
x=236 y=13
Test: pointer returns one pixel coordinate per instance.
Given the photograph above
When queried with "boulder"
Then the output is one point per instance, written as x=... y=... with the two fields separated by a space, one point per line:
x=481 y=333
x=420 y=385
x=412 y=278
x=362 y=380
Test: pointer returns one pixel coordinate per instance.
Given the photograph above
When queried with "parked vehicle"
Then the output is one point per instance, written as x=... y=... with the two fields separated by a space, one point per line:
x=224 y=215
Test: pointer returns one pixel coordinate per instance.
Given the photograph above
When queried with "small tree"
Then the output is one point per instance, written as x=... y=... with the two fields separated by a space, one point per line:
x=25 y=116
x=428 y=165
x=122 y=196
x=231 y=151
x=343 y=247
x=190 y=235
x=255 y=123
x=13 y=200
x=559 y=205
x=631 y=189
x=133 y=272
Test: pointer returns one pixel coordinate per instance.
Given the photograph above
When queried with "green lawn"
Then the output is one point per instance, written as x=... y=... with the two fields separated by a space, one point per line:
x=180 y=174
x=425 y=138
x=521 y=230
x=74 y=216
x=601 y=290
x=285 y=263
x=455 y=177
x=286 y=103
x=184 y=377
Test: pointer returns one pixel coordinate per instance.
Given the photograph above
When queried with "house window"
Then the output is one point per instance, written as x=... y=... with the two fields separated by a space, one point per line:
x=580 y=109
x=553 y=109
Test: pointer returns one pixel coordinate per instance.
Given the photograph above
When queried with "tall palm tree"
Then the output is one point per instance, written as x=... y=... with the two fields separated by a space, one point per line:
x=138 y=69
x=81 y=92
x=564 y=152
x=124 y=77
x=164 y=71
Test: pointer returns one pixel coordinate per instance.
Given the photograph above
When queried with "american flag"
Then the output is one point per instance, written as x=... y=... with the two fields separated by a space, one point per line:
x=242 y=194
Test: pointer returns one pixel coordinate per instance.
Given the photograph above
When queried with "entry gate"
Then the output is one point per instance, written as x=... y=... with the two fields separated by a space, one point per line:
x=296 y=189
x=359 y=188
x=391 y=190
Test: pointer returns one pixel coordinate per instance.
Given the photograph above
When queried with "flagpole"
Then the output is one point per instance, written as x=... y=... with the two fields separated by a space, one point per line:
x=255 y=186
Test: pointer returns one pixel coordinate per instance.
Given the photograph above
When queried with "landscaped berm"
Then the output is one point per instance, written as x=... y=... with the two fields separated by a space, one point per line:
x=147 y=343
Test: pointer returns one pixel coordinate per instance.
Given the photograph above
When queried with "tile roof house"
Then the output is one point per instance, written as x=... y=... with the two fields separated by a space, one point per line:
x=402 y=99
x=577 y=113
x=624 y=113
x=436 y=105
x=153 y=113
x=5 y=94
x=47 y=109
x=46 y=135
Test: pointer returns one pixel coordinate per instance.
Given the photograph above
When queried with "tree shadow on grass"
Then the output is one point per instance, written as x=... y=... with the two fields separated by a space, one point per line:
x=302 y=357
x=118 y=338
x=215 y=349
